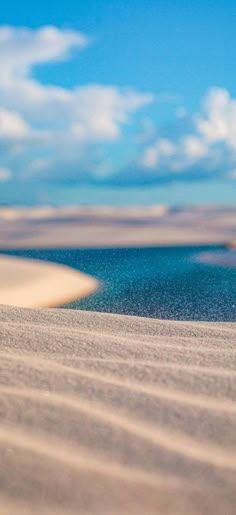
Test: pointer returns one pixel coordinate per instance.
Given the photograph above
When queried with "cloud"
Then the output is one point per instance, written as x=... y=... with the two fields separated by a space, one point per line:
x=23 y=48
x=206 y=146
x=63 y=134
x=12 y=126
x=218 y=122
x=102 y=111
x=59 y=128
x=158 y=154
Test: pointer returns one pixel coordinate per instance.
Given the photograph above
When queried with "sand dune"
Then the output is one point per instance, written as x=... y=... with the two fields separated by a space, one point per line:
x=85 y=226
x=108 y=414
x=33 y=283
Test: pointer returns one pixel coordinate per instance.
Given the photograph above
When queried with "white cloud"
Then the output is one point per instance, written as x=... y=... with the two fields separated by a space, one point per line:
x=158 y=154
x=101 y=111
x=218 y=122
x=210 y=144
x=174 y=157
x=22 y=48
x=12 y=126
x=55 y=121
x=96 y=108
x=51 y=130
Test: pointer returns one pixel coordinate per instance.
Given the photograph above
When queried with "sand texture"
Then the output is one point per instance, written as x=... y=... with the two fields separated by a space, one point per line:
x=34 y=283
x=106 y=414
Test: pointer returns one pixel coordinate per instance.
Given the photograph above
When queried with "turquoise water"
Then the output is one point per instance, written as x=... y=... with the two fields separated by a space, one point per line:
x=155 y=282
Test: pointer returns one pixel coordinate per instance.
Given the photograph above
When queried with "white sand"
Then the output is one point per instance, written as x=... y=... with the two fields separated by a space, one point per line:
x=32 y=283
x=106 y=414
x=109 y=227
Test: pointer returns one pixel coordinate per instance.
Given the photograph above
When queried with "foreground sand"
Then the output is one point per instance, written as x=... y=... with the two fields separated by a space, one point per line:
x=33 y=283
x=105 y=414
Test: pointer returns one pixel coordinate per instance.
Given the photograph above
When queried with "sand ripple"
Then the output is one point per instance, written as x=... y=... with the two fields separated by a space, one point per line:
x=105 y=414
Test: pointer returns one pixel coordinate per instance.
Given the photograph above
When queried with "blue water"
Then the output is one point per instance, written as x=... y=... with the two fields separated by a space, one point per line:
x=166 y=283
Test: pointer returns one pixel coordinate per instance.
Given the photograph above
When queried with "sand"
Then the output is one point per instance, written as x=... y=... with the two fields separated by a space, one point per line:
x=107 y=414
x=34 y=283
x=115 y=227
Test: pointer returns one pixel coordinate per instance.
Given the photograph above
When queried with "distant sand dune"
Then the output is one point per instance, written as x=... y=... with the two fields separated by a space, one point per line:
x=95 y=226
x=107 y=414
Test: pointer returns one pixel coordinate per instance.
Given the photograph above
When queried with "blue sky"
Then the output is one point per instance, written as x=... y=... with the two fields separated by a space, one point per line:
x=112 y=94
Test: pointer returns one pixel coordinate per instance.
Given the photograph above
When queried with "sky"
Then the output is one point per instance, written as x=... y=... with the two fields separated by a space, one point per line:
x=118 y=99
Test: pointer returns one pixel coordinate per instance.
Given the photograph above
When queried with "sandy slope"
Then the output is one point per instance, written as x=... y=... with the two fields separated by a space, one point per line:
x=105 y=414
x=33 y=283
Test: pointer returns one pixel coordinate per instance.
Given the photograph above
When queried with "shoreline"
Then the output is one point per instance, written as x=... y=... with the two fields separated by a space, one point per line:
x=139 y=412
x=38 y=284
x=123 y=245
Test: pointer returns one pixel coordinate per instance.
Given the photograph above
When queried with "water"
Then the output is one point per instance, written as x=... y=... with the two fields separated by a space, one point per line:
x=165 y=283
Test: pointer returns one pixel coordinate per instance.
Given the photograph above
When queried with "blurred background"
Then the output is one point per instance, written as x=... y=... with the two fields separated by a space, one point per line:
x=118 y=102
x=118 y=133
